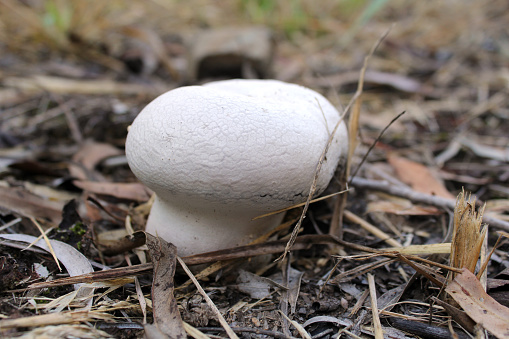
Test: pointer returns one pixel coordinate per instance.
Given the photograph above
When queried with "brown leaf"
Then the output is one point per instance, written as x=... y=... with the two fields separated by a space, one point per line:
x=88 y=157
x=419 y=177
x=18 y=200
x=166 y=314
x=121 y=190
x=401 y=207
x=467 y=291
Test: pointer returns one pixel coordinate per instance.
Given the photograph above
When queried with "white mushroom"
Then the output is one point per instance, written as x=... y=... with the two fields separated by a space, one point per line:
x=221 y=154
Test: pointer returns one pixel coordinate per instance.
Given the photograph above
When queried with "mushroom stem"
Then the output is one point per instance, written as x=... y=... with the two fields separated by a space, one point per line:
x=213 y=227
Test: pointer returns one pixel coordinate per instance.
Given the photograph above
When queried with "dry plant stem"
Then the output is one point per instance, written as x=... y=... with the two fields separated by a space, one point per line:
x=46 y=240
x=139 y=293
x=372 y=229
x=194 y=332
x=302 y=204
x=50 y=319
x=303 y=242
x=359 y=303
x=336 y=226
x=425 y=271
x=336 y=223
x=283 y=302
x=360 y=270
x=72 y=122
x=379 y=333
x=403 y=192
x=312 y=191
x=303 y=333
x=373 y=145
x=324 y=153
x=488 y=257
x=467 y=238
x=218 y=314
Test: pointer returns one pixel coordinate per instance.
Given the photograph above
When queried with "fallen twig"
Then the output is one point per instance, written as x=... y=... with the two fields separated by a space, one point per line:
x=414 y=196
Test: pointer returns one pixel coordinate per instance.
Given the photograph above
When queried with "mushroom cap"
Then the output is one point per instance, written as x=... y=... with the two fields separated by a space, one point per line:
x=249 y=144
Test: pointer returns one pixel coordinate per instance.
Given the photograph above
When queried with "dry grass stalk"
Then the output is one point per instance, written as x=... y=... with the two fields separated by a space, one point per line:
x=312 y=190
x=209 y=302
x=468 y=237
x=73 y=317
x=46 y=240
x=301 y=204
x=372 y=229
x=379 y=334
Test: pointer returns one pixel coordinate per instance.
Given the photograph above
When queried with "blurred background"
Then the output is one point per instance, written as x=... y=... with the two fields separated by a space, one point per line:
x=83 y=69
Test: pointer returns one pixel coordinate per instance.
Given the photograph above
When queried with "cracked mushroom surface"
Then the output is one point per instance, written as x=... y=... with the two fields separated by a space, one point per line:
x=223 y=153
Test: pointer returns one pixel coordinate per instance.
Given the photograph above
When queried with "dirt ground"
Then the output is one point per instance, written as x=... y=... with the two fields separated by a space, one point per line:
x=429 y=123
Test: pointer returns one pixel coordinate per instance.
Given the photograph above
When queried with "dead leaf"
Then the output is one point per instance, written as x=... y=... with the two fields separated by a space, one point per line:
x=468 y=292
x=88 y=157
x=165 y=310
x=24 y=203
x=122 y=190
x=418 y=176
x=401 y=207
x=294 y=281
x=257 y=287
x=74 y=262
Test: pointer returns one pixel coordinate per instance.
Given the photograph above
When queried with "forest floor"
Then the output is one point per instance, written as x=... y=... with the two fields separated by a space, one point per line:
x=75 y=74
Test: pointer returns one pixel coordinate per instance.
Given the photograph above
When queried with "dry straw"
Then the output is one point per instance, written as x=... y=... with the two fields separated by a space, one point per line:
x=468 y=236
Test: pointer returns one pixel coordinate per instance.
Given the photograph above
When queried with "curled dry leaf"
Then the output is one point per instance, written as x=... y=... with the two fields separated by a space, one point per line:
x=165 y=310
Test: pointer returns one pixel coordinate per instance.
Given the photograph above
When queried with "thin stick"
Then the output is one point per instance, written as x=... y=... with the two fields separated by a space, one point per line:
x=139 y=293
x=46 y=240
x=218 y=314
x=312 y=190
x=374 y=144
x=372 y=229
x=72 y=122
x=379 y=333
x=301 y=204
x=414 y=196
